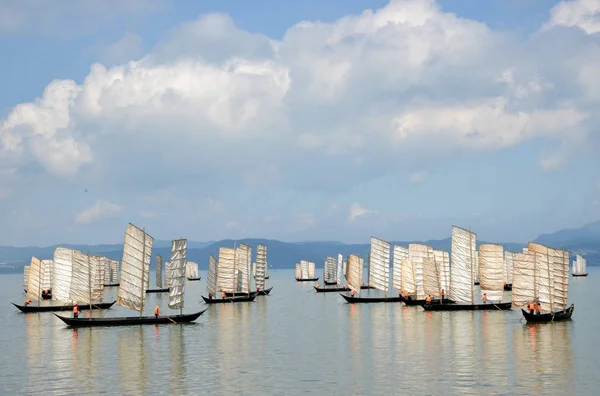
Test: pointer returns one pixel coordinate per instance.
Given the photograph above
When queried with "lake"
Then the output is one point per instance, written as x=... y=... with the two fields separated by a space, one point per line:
x=297 y=341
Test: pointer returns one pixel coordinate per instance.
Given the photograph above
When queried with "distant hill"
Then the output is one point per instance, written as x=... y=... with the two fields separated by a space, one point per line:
x=584 y=240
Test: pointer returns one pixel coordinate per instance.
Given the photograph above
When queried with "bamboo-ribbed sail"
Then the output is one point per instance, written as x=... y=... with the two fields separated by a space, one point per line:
x=354 y=266
x=416 y=254
x=339 y=270
x=560 y=260
x=97 y=278
x=379 y=264
x=225 y=268
x=87 y=280
x=105 y=263
x=544 y=275
x=47 y=282
x=243 y=258
x=579 y=265
x=261 y=266
x=158 y=274
x=211 y=278
x=523 y=281
x=311 y=269
x=476 y=267
x=329 y=269
x=491 y=271
x=62 y=274
x=408 y=277
x=191 y=270
x=26 y=276
x=304 y=269
x=461 y=270
x=36 y=277
x=400 y=253
x=135 y=268
x=114 y=271
x=431 y=279
x=509 y=259
x=298 y=271
x=177 y=273
x=254 y=269
x=442 y=261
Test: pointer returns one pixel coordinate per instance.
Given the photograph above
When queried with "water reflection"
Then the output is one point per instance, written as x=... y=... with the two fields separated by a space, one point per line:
x=177 y=358
x=232 y=345
x=493 y=356
x=463 y=360
x=133 y=373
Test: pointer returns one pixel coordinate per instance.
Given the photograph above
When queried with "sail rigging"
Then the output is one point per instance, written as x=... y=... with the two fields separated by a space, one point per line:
x=261 y=266
x=462 y=268
x=400 y=253
x=177 y=272
x=211 y=278
x=158 y=274
x=491 y=270
x=354 y=268
x=379 y=265
x=135 y=268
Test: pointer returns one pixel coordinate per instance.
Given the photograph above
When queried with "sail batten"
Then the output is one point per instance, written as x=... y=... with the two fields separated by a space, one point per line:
x=177 y=272
x=261 y=266
x=491 y=271
x=461 y=269
x=354 y=268
x=400 y=253
x=379 y=264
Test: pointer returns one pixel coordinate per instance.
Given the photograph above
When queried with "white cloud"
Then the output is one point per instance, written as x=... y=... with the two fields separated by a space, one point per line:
x=100 y=210
x=584 y=14
x=126 y=48
x=357 y=211
x=419 y=177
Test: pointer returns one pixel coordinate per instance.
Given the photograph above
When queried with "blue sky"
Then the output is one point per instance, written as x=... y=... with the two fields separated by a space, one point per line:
x=297 y=120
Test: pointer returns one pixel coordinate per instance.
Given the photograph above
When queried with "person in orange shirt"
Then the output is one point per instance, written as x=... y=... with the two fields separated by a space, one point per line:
x=27 y=302
x=352 y=293
x=538 y=309
x=428 y=300
x=531 y=307
x=156 y=312
x=484 y=298
x=75 y=311
x=223 y=295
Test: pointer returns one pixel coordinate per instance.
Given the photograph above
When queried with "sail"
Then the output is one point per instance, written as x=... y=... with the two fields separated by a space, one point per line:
x=416 y=254
x=243 y=258
x=26 y=276
x=177 y=274
x=579 y=265
x=81 y=278
x=560 y=259
x=135 y=268
x=105 y=262
x=254 y=269
x=461 y=270
x=329 y=269
x=158 y=274
x=114 y=271
x=408 y=277
x=97 y=269
x=339 y=270
x=191 y=269
x=509 y=258
x=260 y=266
x=304 y=269
x=62 y=273
x=442 y=261
x=298 y=271
x=544 y=275
x=225 y=268
x=523 y=279
x=354 y=266
x=167 y=274
x=431 y=279
x=47 y=282
x=400 y=252
x=476 y=267
x=379 y=264
x=211 y=278
x=36 y=277
x=491 y=270
x=311 y=269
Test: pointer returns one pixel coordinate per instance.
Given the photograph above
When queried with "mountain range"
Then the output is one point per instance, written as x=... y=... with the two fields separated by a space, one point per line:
x=584 y=240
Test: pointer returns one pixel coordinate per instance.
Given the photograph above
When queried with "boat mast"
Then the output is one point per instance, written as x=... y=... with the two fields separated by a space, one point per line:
x=471 y=263
x=90 y=281
x=551 y=294
x=235 y=278
x=39 y=281
x=143 y=270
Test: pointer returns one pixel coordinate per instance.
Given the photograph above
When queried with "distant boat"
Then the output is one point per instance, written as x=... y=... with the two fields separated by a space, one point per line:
x=230 y=274
x=542 y=276
x=260 y=271
x=464 y=244
x=137 y=253
x=68 y=307
x=159 y=277
x=191 y=271
x=112 y=273
x=580 y=266
x=305 y=272
x=508 y=270
x=338 y=276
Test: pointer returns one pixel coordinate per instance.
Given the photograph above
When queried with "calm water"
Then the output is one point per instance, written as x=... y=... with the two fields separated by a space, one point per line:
x=296 y=341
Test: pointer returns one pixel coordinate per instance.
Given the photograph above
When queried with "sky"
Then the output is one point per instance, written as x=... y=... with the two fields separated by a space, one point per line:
x=312 y=120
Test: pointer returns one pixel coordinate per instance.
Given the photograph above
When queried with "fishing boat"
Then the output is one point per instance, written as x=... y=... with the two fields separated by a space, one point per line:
x=159 y=276
x=462 y=275
x=508 y=268
x=56 y=308
x=111 y=273
x=338 y=279
x=305 y=272
x=230 y=274
x=542 y=276
x=135 y=278
x=353 y=274
x=579 y=266
x=260 y=267
x=191 y=271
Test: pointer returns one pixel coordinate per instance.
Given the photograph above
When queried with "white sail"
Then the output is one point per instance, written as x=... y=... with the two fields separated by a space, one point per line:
x=442 y=261
x=105 y=262
x=191 y=270
x=135 y=268
x=114 y=271
x=354 y=266
x=167 y=275
x=579 y=265
x=509 y=258
x=461 y=270
x=177 y=274
x=525 y=250
x=491 y=271
x=304 y=269
x=260 y=266
x=329 y=269
x=97 y=278
x=243 y=258
x=523 y=280
x=26 y=276
x=47 y=282
x=298 y=271
x=416 y=254
x=61 y=274
x=36 y=278
x=339 y=269
x=379 y=264
x=544 y=275
x=560 y=292
x=158 y=273
x=409 y=284
x=311 y=269
x=85 y=278
x=211 y=278
x=431 y=279
x=476 y=267
x=225 y=268
x=254 y=269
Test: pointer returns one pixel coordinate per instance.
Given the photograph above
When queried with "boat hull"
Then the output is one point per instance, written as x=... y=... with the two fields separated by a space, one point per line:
x=265 y=291
x=112 y=284
x=330 y=289
x=467 y=307
x=164 y=290
x=363 y=287
x=194 y=279
x=54 y=308
x=229 y=300
x=579 y=274
x=330 y=283
x=549 y=317
x=130 y=321
x=366 y=300
x=254 y=293
x=307 y=279
x=421 y=302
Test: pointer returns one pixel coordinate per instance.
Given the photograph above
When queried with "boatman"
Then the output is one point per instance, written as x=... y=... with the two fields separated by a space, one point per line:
x=27 y=302
x=428 y=299
x=406 y=297
x=538 y=308
x=257 y=289
x=223 y=294
x=352 y=293
x=75 y=311
x=156 y=312
x=210 y=296
x=363 y=283
x=443 y=294
x=531 y=307
x=484 y=298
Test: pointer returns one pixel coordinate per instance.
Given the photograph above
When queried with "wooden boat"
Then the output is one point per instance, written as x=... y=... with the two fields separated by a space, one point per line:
x=54 y=308
x=191 y=271
x=194 y=279
x=353 y=300
x=508 y=287
x=226 y=300
x=330 y=289
x=111 y=284
x=307 y=279
x=579 y=266
x=549 y=317
x=267 y=277
x=47 y=294
x=330 y=283
x=260 y=271
x=467 y=307
x=305 y=272
x=163 y=290
x=255 y=293
x=159 y=277
x=128 y=321
x=415 y=302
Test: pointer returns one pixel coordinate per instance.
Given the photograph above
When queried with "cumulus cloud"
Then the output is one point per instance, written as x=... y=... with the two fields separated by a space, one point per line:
x=357 y=211
x=126 y=48
x=100 y=210
x=584 y=14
